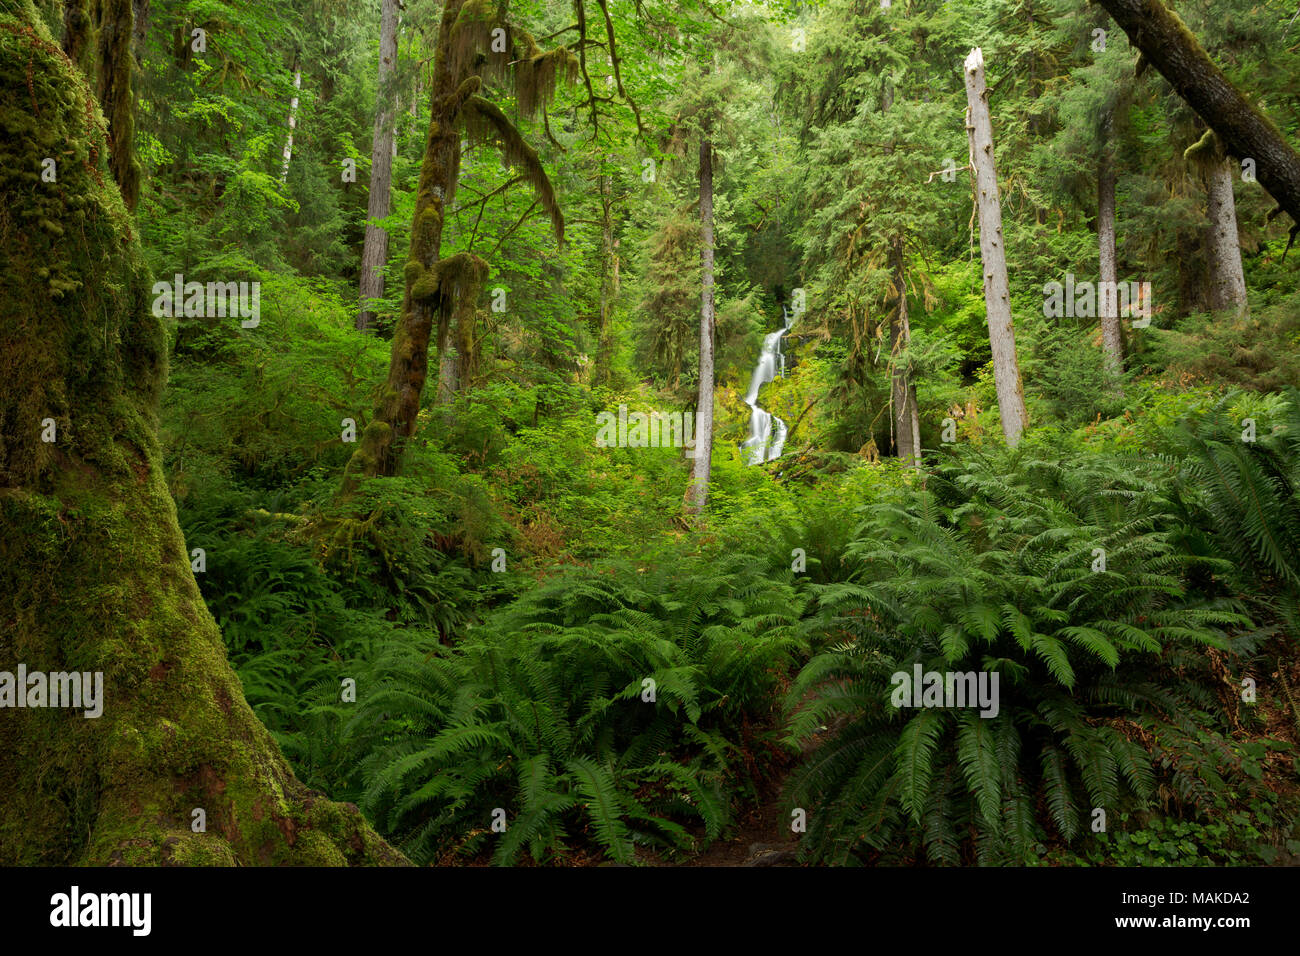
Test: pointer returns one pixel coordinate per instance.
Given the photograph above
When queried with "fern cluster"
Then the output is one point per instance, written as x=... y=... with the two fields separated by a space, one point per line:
x=546 y=713
x=1062 y=572
x=1240 y=482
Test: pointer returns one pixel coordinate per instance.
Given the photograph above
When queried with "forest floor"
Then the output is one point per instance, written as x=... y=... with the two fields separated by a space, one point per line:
x=762 y=836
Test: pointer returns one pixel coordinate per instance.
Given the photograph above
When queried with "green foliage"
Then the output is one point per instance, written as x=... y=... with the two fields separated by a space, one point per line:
x=993 y=568
x=837 y=171
x=542 y=713
x=1259 y=352
x=1241 y=481
x=1251 y=825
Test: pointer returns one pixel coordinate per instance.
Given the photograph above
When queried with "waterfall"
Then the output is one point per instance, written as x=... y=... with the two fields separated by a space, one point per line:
x=766 y=431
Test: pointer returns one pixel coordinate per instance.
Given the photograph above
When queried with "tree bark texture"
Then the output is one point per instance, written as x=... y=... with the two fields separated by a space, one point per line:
x=374 y=250
x=997 y=295
x=1245 y=132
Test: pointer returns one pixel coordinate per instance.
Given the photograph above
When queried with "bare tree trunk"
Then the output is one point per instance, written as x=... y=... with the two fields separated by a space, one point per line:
x=293 y=119
x=907 y=442
x=997 y=295
x=95 y=575
x=374 y=251
x=1245 y=132
x=1227 y=278
x=698 y=492
x=1108 y=270
x=608 y=268
x=916 y=422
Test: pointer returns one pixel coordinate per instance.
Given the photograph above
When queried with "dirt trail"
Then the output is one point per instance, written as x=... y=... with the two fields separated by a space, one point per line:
x=763 y=838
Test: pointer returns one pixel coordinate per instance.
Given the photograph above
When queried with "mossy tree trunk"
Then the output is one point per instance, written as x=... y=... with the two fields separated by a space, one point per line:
x=98 y=38
x=380 y=447
x=140 y=29
x=1244 y=131
x=115 y=64
x=441 y=294
x=94 y=573
x=78 y=31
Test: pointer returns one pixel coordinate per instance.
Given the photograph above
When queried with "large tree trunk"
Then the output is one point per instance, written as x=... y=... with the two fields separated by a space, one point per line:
x=698 y=492
x=1227 y=278
x=140 y=30
x=997 y=296
x=1244 y=131
x=1112 y=341
x=94 y=572
x=78 y=30
x=98 y=38
x=374 y=252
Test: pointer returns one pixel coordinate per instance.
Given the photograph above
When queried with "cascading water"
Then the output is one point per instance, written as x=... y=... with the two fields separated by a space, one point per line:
x=766 y=431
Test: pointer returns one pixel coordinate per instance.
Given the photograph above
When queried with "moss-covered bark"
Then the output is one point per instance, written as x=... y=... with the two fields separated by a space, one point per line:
x=379 y=451
x=445 y=291
x=78 y=32
x=94 y=573
x=1244 y=131
x=116 y=29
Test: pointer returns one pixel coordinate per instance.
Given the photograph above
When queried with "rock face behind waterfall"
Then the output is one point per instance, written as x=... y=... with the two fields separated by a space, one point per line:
x=766 y=431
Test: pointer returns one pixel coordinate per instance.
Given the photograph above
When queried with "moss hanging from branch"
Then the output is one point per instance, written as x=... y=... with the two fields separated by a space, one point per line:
x=462 y=278
x=538 y=74
x=469 y=47
x=485 y=123
x=451 y=277
x=464 y=58
x=1242 y=129
x=535 y=73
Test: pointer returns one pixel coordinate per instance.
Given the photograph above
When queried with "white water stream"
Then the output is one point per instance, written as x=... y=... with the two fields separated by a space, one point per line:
x=766 y=431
